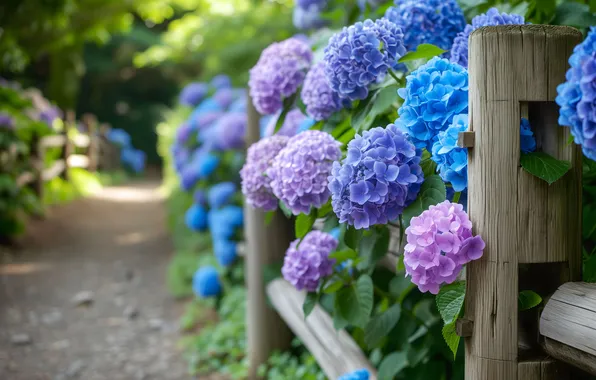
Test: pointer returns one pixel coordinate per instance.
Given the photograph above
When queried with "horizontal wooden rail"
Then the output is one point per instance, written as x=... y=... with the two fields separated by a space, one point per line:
x=25 y=179
x=54 y=141
x=568 y=324
x=335 y=351
x=78 y=161
x=54 y=171
x=81 y=141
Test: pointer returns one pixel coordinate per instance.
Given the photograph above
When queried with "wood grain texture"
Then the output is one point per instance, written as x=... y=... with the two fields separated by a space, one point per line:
x=573 y=356
x=511 y=210
x=335 y=351
x=265 y=244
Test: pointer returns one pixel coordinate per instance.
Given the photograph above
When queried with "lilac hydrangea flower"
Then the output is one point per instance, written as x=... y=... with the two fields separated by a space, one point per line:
x=278 y=73
x=459 y=49
x=221 y=193
x=434 y=94
x=452 y=161
x=206 y=282
x=292 y=122
x=229 y=132
x=379 y=177
x=225 y=97
x=440 y=242
x=361 y=374
x=49 y=115
x=193 y=94
x=306 y=264
x=434 y=22
x=527 y=141
x=183 y=133
x=256 y=186
x=299 y=172
x=320 y=100
x=221 y=81
x=577 y=95
x=360 y=54
x=6 y=121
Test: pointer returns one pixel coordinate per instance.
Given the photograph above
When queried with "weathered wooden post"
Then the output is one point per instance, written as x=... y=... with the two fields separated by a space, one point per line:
x=266 y=244
x=69 y=147
x=527 y=225
x=92 y=152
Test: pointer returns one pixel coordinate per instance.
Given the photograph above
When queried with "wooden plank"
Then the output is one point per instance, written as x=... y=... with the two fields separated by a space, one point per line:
x=53 y=171
x=570 y=355
x=335 y=351
x=54 y=141
x=78 y=161
x=25 y=179
x=81 y=141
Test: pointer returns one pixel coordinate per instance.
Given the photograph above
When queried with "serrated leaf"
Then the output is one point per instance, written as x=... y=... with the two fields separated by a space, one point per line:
x=310 y=301
x=544 y=166
x=574 y=14
x=528 y=299
x=346 y=304
x=378 y=327
x=365 y=293
x=333 y=287
x=341 y=256
x=392 y=365
x=432 y=192
x=423 y=51
x=400 y=287
x=304 y=224
x=450 y=301
x=451 y=337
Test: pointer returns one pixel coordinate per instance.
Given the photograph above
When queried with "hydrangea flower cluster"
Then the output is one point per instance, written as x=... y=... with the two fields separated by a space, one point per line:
x=221 y=81
x=439 y=243
x=206 y=282
x=6 y=121
x=434 y=94
x=300 y=170
x=199 y=197
x=306 y=264
x=452 y=161
x=118 y=136
x=196 y=217
x=361 y=374
x=379 y=177
x=434 y=22
x=256 y=186
x=220 y=194
x=229 y=131
x=278 y=73
x=49 y=115
x=360 y=55
x=527 y=141
x=225 y=252
x=225 y=97
x=193 y=94
x=224 y=221
x=459 y=49
x=577 y=95
x=133 y=159
x=201 y=166
x=320 y=100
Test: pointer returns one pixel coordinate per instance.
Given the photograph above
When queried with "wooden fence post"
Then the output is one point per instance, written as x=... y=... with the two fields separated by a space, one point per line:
x=68 y=148
x=266 y=244
x=532 y=230
x=37 y=163
x=93 y=150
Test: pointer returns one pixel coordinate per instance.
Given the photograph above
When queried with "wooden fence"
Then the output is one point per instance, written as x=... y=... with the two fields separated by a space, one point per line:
x=99 y=153
x=532 y=231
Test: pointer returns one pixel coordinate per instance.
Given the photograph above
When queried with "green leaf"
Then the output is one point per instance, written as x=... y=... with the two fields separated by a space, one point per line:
x=378 y=102
x=431 y=192
x=365 y=294
x=380 y=326
x=400 y=287
x=268 y=217
x=309 y=303
x=450 y=301
x=574 y=14
x=304 y=223
x=341 y=256
x=393 y=364
x=346 y=304
x=288 y=104
x=528 y=299
x=352 y=237
x=423 y=51
x=324 y=210
x=373 y=246
x=544 y=166
x=287 y=212
x=451 y=337
x=334 y=286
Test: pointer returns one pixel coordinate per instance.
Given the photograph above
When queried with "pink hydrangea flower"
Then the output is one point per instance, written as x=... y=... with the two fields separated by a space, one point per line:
x=440 y=242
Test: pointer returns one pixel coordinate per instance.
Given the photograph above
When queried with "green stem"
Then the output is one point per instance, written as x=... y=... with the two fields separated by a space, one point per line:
x=412 y=315
x=392 y=73
x=456 y=196
x=382 y=293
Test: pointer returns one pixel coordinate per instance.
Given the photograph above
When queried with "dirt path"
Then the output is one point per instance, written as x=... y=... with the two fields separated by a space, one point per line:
x=116 y=246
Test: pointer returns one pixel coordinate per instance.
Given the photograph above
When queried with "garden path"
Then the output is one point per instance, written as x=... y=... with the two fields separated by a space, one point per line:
x=115 y=245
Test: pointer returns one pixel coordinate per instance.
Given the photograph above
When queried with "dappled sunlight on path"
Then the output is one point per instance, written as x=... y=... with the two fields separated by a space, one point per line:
x=110 y=251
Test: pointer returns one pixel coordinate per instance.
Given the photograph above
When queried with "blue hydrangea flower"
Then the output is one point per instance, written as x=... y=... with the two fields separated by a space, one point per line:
x=207 y=165
x=361 y=374
x=459 y=49
x=318 y=97
x=119 y=136
x=577 y=95
x=225 y=252
x=202 y=120
x=452 y=161
x=220 y=194
x=209 y=104
x=206 y=282
x=193 y=94
x=239 y=105
x=307 y=18
x=202 y=165
x=199 y=197
x=361 y=54
x=224 y=221
x=527 y=141
x=225 y=97
x=379 y=177
x=133 y=159
x=196 y=218
x=229 y=131
x=308 y=3
x=221 y=81
x=434 y=94
x=434 y=22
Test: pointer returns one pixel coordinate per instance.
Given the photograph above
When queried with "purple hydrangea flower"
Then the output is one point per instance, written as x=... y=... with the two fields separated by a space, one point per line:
x=221 y=81
x=193 y=94
x=308 y=3
x=225 y=97
x=300 y=170
x=199 y=197
x=577 y=96
x=434 y=94
x=256 y=186
x=320 y=100
x=183 y=133
x=278 y=73
x=306 y=264
x=290 y=126
x=361 y=374
x=6 y=121
x=361 y=54
x=229 y=132
x=379 y=177
x=452 y=161
x=440 y=242
x=459 y=49
x=204 y=120
x=434 y=22
x=206 y=282
x=49 y=115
